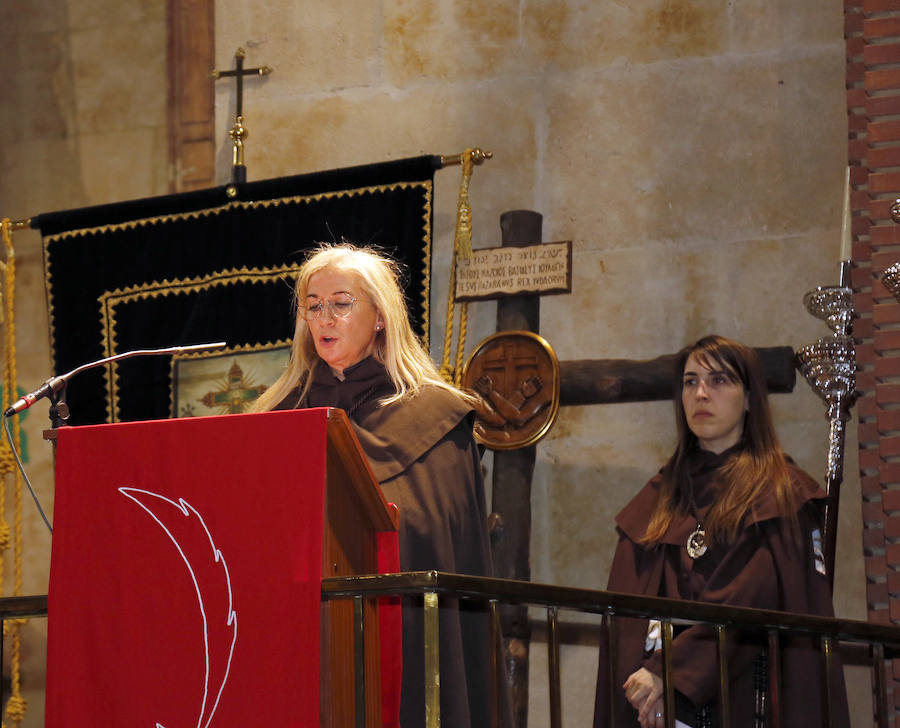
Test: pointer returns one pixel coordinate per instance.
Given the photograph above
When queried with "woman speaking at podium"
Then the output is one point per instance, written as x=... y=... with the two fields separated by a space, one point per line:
x=354 y=348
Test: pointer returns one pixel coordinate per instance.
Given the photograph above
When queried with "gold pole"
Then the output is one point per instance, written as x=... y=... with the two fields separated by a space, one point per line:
x=432 y=663
x=478 y=156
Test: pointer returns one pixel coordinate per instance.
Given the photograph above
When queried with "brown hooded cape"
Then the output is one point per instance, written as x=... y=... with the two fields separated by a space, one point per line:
x=423 y=455
x=771 y=565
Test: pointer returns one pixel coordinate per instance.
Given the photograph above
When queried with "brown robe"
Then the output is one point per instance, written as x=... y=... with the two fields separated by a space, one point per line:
x=423 y=455
x=769 y=566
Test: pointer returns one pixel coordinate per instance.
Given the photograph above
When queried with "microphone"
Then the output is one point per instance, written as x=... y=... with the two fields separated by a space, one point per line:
x=54 y=385
x=51 y=386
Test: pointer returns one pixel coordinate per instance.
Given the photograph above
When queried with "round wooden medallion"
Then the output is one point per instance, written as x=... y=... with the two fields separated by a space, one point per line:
x=515 y=375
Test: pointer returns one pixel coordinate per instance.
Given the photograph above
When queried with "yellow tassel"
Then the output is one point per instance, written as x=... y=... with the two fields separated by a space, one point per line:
x=463 y=243
x=462 y=249
x=15 y=708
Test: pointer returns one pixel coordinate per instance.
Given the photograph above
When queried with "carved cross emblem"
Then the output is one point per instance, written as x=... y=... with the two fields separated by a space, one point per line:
x=515 y=374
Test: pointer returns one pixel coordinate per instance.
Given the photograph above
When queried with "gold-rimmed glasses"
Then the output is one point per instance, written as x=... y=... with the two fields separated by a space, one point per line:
x=339 y=306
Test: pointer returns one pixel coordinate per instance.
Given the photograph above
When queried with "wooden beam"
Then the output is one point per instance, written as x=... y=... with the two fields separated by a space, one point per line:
x=191 y=121
x=606 y=381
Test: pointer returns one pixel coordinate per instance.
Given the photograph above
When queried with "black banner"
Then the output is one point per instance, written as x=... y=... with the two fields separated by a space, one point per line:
x=212 y=265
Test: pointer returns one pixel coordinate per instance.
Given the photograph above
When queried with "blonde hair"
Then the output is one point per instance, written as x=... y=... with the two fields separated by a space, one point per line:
x=396 y=346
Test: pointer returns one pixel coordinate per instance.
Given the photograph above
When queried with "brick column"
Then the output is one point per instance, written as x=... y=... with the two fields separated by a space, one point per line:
x=872 y=34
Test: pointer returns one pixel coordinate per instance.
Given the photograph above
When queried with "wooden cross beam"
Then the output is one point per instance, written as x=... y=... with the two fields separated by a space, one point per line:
x=238 y=132
x=605 y=381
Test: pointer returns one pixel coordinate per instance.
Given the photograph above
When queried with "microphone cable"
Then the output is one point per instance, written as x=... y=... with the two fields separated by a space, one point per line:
x=12 y=447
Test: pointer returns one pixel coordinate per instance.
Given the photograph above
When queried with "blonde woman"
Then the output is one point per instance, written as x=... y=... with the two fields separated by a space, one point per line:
x=354 y=348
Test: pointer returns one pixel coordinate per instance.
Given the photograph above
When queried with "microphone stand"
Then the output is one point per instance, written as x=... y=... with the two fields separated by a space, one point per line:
x=54 y=388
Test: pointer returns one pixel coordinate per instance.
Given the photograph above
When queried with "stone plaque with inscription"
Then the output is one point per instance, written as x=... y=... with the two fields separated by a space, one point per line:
x=544 y=268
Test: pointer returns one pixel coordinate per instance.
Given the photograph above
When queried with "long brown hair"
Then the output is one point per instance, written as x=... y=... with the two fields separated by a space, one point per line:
x=758 y=466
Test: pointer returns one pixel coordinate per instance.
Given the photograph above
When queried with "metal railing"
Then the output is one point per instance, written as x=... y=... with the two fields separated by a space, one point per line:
x=883 y=641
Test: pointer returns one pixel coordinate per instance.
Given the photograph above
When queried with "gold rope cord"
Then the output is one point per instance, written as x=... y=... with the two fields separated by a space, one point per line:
x=462 y=248
x=16 y=706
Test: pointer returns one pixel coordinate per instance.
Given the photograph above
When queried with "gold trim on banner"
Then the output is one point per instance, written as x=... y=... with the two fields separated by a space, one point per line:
x=426 y=271
x=427 y=185
x=109 y=300
x=246 y=205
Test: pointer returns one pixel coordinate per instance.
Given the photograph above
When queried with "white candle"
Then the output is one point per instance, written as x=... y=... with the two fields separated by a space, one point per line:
x=846 y=231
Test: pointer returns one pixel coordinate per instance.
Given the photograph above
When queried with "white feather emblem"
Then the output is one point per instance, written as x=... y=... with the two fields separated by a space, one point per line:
x=224 y=626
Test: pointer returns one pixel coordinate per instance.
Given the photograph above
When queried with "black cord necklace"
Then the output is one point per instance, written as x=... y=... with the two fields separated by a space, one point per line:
x=696 y=542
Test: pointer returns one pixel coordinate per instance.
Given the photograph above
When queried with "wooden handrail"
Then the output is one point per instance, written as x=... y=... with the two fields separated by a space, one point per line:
x=883 y=640
x=595 y=601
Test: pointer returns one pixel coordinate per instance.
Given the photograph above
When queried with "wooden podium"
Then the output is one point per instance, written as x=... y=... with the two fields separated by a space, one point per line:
x=186 y=566
x=355 y=512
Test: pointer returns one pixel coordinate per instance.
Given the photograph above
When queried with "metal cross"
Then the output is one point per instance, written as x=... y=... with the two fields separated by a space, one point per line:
x=238 y=133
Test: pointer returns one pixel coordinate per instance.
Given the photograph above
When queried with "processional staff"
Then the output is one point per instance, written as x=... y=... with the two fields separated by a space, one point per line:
x=238 y=132
x=829 y=366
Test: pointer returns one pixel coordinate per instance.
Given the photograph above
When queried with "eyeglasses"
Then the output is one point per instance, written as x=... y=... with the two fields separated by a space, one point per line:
x=340 y=307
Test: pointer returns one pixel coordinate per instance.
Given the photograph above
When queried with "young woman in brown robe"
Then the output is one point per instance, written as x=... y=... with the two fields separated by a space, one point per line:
x=353 y=348
x=729 y=519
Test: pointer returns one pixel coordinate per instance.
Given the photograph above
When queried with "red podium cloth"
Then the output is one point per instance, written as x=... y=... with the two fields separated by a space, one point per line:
x=390 y=627
x=185 y=573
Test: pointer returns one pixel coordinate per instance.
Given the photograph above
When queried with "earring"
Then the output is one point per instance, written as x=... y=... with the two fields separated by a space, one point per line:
x=378 y=327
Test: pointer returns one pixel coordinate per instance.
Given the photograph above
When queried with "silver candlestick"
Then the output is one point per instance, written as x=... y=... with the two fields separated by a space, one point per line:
x=829 y=366
x=833 y=304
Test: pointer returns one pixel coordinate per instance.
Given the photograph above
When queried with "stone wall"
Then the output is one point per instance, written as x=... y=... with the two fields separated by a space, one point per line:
x=692 y=150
